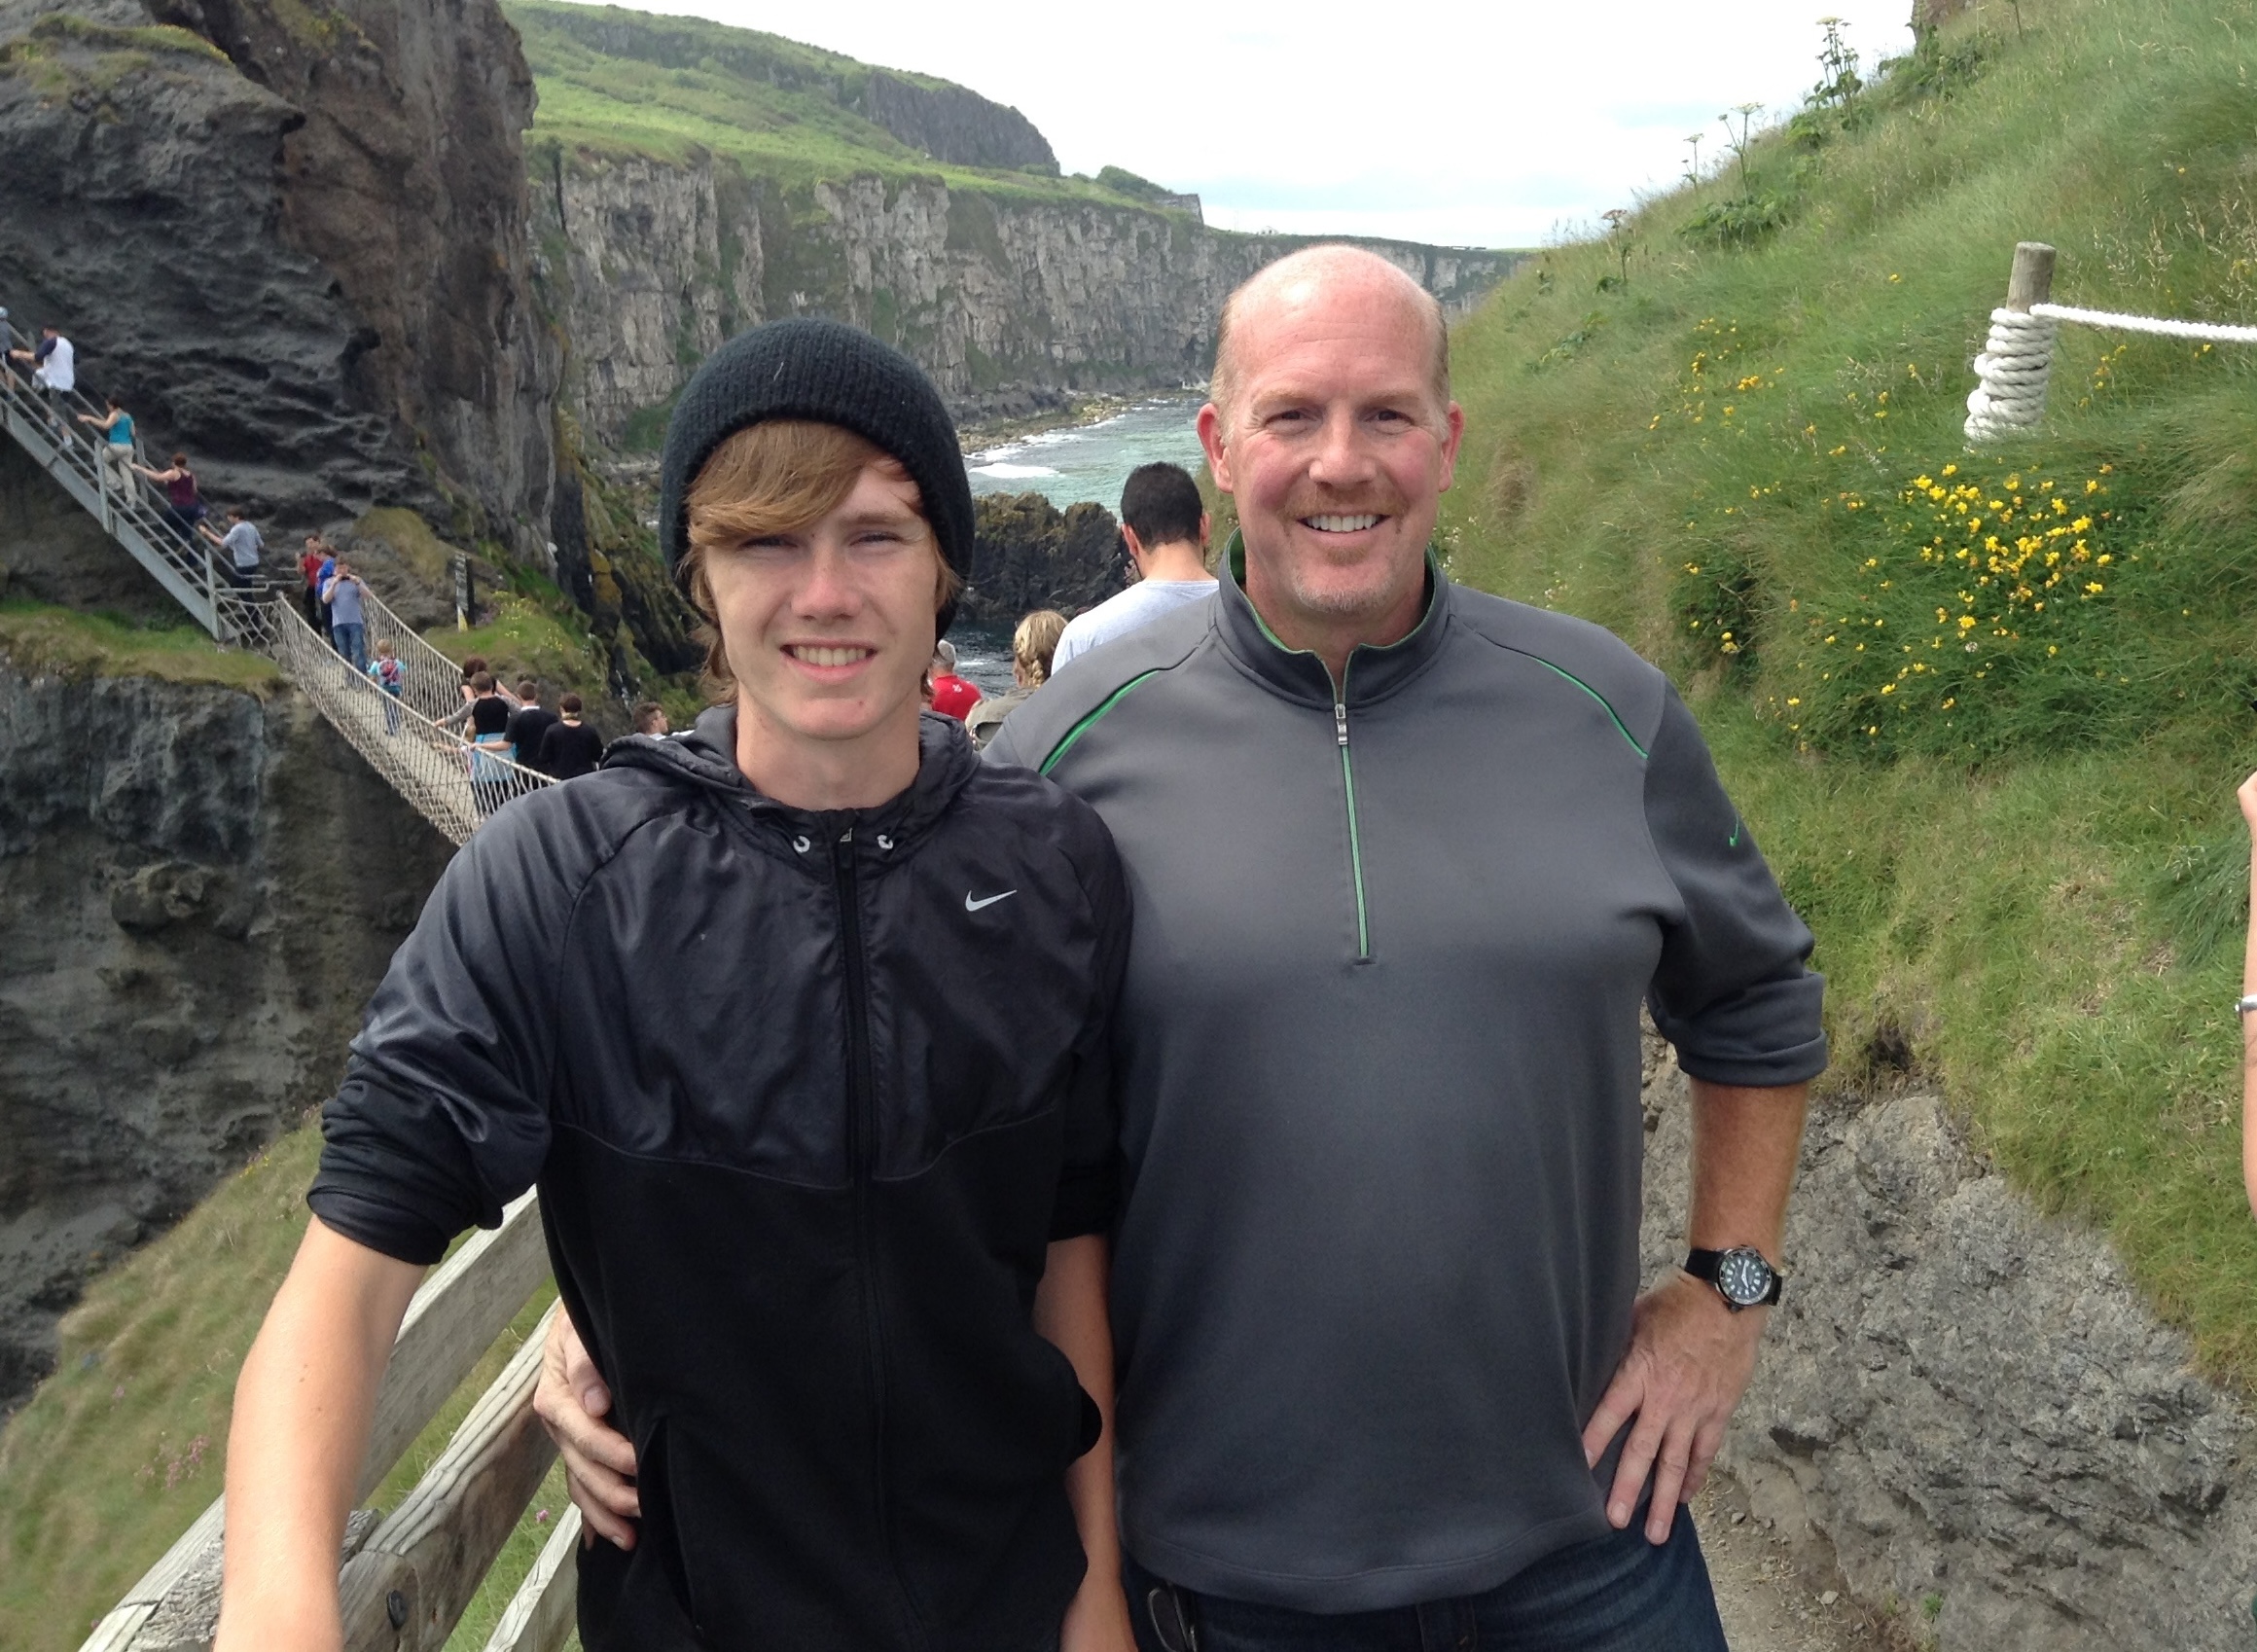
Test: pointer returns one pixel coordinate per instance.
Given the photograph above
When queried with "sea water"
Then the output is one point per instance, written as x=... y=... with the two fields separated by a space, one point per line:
x=1066 y=466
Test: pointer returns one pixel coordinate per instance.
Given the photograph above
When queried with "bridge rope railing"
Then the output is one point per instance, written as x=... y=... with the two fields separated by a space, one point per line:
x=2015 y=364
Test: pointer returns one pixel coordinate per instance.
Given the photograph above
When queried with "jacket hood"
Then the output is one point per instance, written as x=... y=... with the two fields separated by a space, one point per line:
x=705 y=756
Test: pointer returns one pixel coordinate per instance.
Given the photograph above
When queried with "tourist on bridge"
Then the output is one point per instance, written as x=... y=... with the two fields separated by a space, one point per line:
x=953 y=696
x=572 y=748
x=529 y=726
x=487 y=713
x=389 y=675
x=344 y=594
x=54 y=364
x=801 y=1023
x=117 y=446
x=1163 y=525
x=244 y=546
x=8 y=345
x=184 y=505
x=1035 y=642
x=311 y=561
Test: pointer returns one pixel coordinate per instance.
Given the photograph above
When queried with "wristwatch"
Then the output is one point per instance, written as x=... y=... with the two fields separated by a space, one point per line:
x=1741 y=1277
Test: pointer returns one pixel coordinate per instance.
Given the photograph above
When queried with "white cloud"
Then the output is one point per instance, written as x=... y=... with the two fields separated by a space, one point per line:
x=1456 y=120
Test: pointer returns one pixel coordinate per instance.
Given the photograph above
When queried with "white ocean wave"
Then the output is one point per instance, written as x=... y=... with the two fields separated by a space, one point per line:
x=1012 y=473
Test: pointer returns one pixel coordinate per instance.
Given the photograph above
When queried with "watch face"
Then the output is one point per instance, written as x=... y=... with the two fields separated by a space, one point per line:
x=1743 y=1276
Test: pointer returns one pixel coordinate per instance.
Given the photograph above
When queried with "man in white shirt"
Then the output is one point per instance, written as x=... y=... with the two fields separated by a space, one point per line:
x=1166 y=534
x=54 y=364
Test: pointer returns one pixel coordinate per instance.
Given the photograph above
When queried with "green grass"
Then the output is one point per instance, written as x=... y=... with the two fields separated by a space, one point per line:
x=620 y=82
x=68 y=642
x=121 y=1449
x=2023 y=863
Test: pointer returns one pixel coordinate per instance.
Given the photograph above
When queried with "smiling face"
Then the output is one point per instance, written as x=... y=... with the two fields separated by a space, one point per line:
x=1336 y=446
x=827 y=628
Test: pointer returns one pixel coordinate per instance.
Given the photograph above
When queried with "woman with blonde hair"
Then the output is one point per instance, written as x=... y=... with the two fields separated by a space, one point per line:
x=1033 y=646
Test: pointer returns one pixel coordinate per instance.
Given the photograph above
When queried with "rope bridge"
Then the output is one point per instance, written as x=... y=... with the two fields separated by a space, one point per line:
x=452 y=782
x=2017 y=359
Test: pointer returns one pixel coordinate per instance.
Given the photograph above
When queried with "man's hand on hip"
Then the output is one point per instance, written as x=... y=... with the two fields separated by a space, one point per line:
x=1689 y=1361
x=600 y=1462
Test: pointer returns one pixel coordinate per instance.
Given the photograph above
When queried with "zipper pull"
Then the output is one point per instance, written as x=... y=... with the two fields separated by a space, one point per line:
x=1340 y=719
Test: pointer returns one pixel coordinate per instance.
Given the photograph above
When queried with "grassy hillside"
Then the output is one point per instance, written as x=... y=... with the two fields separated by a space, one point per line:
x=1986 y=711
x=614 y=80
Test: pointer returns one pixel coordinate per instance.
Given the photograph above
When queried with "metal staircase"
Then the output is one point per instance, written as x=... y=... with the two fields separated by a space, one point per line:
x=407 y=739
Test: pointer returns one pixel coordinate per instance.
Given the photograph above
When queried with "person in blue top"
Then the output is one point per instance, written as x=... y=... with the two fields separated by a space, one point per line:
x=342 y=593
x=116 y=446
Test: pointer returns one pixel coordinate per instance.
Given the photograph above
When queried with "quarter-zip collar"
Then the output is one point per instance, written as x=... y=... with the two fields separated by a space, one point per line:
x=706 y=756
x=1374 y=672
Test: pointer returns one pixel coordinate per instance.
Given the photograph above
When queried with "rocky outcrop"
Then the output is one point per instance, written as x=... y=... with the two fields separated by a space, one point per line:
x=1030 y=554
x=291 y=234
x=1971 y=1402
x=648 y=264
x=200 y=889
x=952 y=123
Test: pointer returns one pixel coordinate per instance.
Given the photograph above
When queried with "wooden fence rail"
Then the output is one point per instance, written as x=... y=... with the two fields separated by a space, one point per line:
x=405 y=1579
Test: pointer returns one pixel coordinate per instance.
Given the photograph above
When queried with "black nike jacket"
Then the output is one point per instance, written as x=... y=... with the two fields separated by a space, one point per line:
x=806 y=1096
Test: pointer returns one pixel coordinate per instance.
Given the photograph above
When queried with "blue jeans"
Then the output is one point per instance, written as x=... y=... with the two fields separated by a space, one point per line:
x=1614 y=1594
x=348 y=641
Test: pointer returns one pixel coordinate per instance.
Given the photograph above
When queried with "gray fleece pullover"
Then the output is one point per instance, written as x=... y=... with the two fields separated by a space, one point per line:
x=1378 y=1059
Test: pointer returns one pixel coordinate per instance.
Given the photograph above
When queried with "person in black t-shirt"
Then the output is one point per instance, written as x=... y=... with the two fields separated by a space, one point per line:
x=529 y=725
x=571 y=748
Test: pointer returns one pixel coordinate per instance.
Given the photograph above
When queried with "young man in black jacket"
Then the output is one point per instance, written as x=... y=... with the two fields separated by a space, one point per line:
x=827 y=1200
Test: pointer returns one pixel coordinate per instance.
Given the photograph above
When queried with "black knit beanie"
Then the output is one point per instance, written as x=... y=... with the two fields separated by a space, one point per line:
x=835 y=374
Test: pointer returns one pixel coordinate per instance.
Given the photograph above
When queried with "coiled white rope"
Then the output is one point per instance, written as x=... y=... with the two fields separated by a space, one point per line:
x=2017 y=359
x=2011 y=373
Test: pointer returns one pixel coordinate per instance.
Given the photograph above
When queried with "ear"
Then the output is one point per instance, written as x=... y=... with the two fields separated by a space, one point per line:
x=1134 y=543
x=1206 y=529
x=1456 y=421
x=1210 y=435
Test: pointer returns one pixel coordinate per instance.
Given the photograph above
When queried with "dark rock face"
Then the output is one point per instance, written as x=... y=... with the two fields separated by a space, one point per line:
x=291 y=237
x=51 y=550
x=1031 y=554
x=952 y=124
x=200 y=890
x=1971 y=1402
x=1009 y=305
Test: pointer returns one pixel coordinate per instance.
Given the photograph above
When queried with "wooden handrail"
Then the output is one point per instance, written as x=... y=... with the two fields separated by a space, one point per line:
x=480 y=1482
x=405 y=1588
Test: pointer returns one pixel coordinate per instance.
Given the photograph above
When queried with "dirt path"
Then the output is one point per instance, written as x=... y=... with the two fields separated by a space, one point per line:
x=1772 y=1598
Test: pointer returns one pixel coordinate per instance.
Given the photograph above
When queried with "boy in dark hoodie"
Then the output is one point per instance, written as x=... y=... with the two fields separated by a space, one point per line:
x=800 y=1023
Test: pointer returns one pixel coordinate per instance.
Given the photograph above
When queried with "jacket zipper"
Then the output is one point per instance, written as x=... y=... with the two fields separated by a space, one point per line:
x=1339 y=723
x=861 y=1157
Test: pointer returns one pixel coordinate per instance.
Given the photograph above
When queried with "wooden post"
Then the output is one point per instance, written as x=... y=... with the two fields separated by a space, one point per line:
x=2032 y=280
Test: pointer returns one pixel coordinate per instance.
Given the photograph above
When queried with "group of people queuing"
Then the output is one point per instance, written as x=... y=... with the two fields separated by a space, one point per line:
x=1163 y=536
x=237 y=550
x=1168 y=1181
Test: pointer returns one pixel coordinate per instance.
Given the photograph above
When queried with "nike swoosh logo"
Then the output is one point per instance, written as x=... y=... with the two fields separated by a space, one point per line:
x=1732 y=842
x=971 y=905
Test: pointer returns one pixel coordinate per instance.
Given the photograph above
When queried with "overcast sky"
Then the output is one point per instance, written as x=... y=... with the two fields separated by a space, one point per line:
x=1478 y=123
